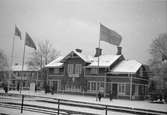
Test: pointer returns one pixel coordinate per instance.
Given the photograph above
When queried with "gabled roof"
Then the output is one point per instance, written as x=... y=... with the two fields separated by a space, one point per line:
x=26 y=68
x=104 y=61
x=56 y=62
x=126 y=66
x=85 y=58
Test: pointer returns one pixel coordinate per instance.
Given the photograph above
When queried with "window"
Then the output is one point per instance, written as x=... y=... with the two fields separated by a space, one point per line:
x=93 y=86
x=93 y=71
x=16 y=73
x=70 y=68
x=33 y=74
x=89 y=83
x=78 y=68
x=141 y=72
x=122 y=88
x=56 y=70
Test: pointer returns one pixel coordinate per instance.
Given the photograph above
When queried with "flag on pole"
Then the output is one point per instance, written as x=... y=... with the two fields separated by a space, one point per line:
x=17 y=32
x=109 y=36
x=29 y=42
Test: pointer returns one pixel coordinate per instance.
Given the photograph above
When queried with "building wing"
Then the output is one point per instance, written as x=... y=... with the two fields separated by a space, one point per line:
x=26 y=68
x=56 y=62
x=126 y=66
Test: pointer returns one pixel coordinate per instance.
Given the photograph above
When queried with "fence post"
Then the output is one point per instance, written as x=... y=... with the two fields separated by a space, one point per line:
x=58 y=106
x=106 y=110
x=22 y=103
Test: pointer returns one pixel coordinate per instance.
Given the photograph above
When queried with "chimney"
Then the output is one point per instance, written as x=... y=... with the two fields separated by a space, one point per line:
x=119 y=50
x=78 y=50
x=98 y=52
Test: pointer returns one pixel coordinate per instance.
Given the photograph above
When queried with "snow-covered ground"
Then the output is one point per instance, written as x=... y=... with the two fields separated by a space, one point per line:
x=91 y=99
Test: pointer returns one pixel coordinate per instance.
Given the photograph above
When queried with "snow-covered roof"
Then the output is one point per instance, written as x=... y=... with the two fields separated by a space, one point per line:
x=56 y=62
x=86 y=58
x=127 y=66
x=104 y=61
x=26 y=68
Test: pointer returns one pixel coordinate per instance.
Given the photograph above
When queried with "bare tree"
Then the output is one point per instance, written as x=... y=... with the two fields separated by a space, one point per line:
x=159 y=59
x=44 y=54
x=3 y=61
x=159 y=48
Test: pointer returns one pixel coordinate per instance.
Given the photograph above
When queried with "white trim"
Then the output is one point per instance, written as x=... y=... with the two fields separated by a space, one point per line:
x=127 y=77
x=93 y=76
x=55 y=75
x=97 y=87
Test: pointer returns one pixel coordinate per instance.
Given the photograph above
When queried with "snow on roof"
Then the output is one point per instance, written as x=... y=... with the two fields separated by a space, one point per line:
x=80 y=54
x=127 y=66
x=104 y=61
x=84 y=57
x=56 y=62
x=26 y=68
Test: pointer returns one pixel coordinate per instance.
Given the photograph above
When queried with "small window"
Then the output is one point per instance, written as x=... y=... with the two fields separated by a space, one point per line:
x=141 y=72
x=94 y=71
x=56 y=70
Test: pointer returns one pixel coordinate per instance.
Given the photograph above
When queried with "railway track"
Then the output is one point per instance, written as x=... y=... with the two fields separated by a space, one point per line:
x=70 y=103
x=42 y=109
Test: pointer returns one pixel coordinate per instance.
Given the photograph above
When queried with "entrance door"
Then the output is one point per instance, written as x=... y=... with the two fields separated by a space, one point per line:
x=55 y=86
x=114 y=90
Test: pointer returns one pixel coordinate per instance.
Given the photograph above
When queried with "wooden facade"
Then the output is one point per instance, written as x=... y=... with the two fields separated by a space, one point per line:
x=78 y=75
x=18 y=77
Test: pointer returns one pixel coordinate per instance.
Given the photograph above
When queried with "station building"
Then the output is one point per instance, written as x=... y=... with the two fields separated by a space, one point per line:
x=77 y=73
x=25 y=76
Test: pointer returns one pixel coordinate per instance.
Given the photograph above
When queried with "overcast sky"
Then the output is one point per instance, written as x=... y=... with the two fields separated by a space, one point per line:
x=71 y=24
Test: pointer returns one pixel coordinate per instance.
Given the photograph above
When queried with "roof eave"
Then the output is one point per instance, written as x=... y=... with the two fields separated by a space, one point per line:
x=122 y=73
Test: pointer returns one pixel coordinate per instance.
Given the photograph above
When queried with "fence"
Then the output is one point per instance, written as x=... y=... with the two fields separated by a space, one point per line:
x=63 y=107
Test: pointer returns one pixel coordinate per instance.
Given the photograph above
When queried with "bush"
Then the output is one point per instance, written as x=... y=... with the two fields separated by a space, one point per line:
x=154 y=96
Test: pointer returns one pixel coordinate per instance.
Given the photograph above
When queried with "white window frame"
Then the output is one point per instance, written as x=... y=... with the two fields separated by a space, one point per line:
x=122 y=89
x=95 y=86
x=70 y=68
x=78 y=68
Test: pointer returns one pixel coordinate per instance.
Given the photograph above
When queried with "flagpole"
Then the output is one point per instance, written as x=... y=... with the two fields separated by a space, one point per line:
x=11 y=63
x=22 y=68
x=131 y=86
x=98 y=52
x=98 y=60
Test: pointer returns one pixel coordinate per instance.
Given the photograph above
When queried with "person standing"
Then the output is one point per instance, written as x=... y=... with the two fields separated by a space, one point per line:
x=111 y=95
x=99 y=96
